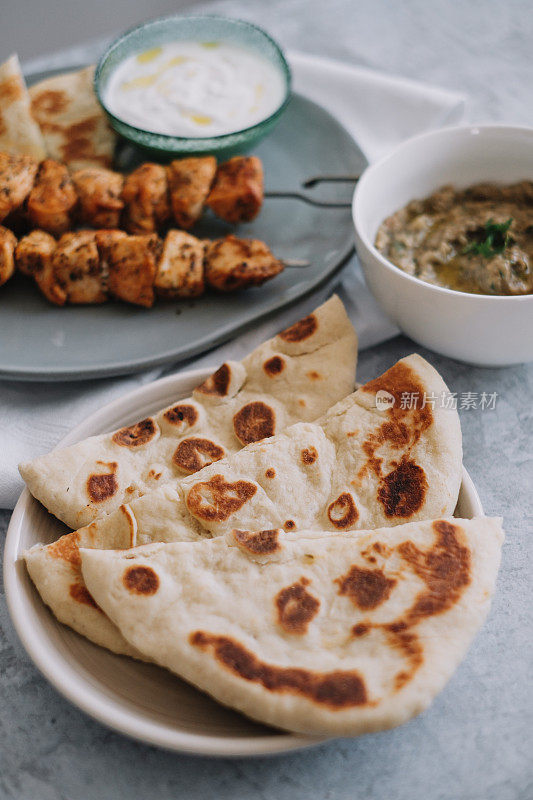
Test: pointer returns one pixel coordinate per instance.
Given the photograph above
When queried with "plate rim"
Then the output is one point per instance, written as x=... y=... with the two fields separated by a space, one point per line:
x=64 y=677
x=135 y=365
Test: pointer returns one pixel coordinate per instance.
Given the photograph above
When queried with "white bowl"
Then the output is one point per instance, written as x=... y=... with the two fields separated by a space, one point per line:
x=140 y=700
x=479 y=329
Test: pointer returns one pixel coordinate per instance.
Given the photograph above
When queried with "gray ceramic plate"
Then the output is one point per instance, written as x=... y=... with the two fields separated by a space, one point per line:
x=40 y=342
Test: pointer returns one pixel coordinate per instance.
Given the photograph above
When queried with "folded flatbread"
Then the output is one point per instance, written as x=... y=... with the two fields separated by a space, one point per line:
x=74 y=125
x=19 y=132
x=319 y=634
x=358 y=467
x=297 y=375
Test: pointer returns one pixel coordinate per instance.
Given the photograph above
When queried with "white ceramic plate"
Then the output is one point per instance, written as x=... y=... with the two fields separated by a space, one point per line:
x=140 y=700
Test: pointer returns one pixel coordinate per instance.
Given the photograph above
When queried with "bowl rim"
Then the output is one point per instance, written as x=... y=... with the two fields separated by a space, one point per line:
x=367 y=176
x=63 y=675
x=165 y=139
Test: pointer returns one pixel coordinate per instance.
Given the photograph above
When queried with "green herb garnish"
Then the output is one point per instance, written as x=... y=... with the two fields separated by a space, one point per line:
x=493 y=241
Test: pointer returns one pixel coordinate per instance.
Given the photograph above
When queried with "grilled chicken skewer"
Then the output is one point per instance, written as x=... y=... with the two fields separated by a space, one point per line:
x=141 y=202
x=92 y=266
x=7 y=254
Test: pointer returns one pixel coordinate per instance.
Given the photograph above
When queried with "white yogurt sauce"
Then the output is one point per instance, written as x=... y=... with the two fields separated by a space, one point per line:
x=195 y=89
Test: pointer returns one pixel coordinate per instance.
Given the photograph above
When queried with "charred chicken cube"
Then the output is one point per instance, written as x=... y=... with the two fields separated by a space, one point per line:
x=189 y=182
x=104 y=241
x=34 y=258
x=238 y=191
x=52 y=199
x=77 y=268
x=33 y=250
x=233 y=263
x=132 y=269
x=145 y=194
x=8 y=243
x=17 y=174
x=180 y=272
x=99 y=192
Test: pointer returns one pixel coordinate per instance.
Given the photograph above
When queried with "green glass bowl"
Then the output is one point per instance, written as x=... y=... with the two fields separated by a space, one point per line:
x=195 y=28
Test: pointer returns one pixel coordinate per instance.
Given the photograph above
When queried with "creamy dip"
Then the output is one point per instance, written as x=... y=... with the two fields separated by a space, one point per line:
x=477 y=240
x=195 y=89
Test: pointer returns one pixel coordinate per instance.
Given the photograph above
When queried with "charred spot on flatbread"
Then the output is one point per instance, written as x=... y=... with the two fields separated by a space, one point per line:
x=47 y=102
x=401 y=381
x=255 y=421
x=406 y=641
x=195 y=453
x=342 y=512
x=337 y=689
x=11 y=90
x=136 y=435
x=445 y=569
x=66 y=548
x=103 y=485
x=182 y=415
x=141 y=580
x=309 y=455
x=366 y=588
x=216 y=500
x=79 y=142
x=401 y=430
x=402 y=492
x=258 y=542
x=274 y=366
x=81 y=594
x=296 y=607
x=301 y=330
x=289 y=525
x=218 y=383
x=270 y=472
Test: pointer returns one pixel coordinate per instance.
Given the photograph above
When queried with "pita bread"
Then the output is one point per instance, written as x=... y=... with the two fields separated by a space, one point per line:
x=19 y=133
x=296 y=375
x=357 y=468
x=320 y=634
x=74 y=125
x=61 y=586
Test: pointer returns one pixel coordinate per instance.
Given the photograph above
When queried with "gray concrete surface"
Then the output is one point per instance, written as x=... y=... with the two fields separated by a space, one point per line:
x=475 y=742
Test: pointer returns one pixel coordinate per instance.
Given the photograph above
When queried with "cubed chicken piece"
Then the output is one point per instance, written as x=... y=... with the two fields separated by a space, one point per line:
x=34 y=258
x=145 y=195
x=180 y=272
x=52 y=200
x=189 y=182
x=100 y=196
x=104 y=241
x=8 y=243
x=77 y=268
x=233 y=263
x=17 y=174
x=238 y=190
x=32 y=250
x=132 y=269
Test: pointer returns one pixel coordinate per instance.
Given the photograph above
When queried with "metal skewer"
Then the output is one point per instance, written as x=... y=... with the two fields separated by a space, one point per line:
x=309 y=184
x=309 y=200
x=295 y=262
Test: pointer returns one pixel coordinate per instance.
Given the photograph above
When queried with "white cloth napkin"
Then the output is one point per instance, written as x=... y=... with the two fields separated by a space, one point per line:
x=379 y=111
